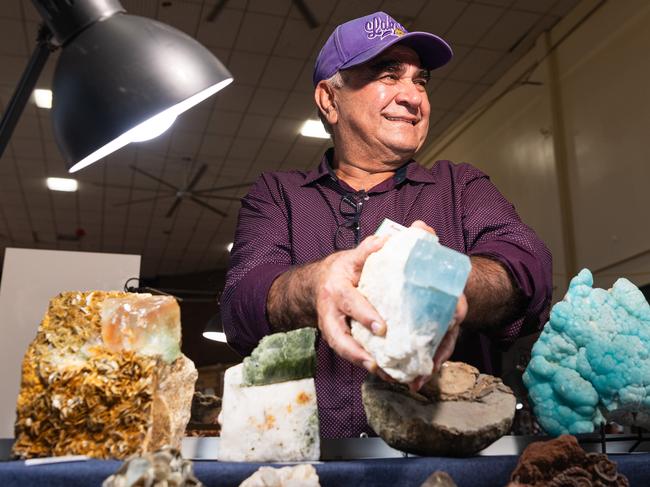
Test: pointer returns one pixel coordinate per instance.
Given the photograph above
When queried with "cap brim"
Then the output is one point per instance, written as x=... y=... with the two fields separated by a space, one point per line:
x=434 y=52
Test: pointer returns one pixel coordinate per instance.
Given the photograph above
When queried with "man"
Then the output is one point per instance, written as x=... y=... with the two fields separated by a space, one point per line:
x=303 y=237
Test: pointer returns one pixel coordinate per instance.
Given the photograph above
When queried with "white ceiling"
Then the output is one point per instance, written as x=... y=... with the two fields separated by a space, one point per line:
x=250 y=127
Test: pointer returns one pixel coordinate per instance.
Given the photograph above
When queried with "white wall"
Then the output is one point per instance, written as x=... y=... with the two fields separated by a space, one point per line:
x=30 y=277
x=595 y=125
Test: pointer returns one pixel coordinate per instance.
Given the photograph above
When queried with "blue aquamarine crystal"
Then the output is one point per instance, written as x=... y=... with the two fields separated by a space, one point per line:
x=592 y=358
x=435 y=277
x=414 y=283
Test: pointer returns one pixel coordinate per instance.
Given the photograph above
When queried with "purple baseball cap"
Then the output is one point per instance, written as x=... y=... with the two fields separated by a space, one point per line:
x=360 y=40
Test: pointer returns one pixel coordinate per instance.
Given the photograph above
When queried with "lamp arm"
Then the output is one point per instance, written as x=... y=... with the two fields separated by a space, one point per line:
x=25 y=86
x=210 y=296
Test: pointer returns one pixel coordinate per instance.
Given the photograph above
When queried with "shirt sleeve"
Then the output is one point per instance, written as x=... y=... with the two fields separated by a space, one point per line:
x=260 y=253
x=492 y=228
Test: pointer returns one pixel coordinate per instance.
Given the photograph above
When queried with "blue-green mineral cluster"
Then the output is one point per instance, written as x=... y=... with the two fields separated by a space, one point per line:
x=592 y=358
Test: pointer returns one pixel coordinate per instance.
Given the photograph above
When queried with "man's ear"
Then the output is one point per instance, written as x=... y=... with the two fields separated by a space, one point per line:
x=324 y=97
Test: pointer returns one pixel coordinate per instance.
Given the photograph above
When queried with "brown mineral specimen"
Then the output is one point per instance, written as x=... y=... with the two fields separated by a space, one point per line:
x=205 y=408
x=81 y=396
x=458 y=413
x=560 y=462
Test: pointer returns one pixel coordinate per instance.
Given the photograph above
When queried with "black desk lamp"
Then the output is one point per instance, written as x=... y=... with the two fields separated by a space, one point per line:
x=120 y=78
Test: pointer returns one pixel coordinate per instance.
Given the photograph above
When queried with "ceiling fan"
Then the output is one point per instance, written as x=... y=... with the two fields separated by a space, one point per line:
x=299 y=4
x=180 y=193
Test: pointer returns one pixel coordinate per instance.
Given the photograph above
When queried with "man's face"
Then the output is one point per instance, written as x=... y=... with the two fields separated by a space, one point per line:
x=383 y=107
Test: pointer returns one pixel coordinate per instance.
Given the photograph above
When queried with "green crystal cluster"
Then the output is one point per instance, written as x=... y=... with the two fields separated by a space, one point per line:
x=281 y=357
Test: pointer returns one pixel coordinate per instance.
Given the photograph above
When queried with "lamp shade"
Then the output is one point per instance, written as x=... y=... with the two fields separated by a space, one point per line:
x=125 y=79
x=214 y=329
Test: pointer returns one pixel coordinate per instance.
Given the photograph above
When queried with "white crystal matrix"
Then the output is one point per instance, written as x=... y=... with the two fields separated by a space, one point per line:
x=270 y=423
x=414 y=283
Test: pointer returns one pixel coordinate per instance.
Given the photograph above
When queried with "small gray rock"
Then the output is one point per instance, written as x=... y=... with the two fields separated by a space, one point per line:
x=458 y=414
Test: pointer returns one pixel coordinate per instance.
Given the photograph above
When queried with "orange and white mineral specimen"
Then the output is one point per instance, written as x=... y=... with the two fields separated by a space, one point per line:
x=104 y=377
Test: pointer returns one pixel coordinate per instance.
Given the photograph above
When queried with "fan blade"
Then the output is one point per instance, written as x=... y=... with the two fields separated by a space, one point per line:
x=173 y=207
x=209 y=207
x=216 y=10
x=222 y=188
x=122 y=186
x=155 y=178
x=215 y=197
x=306 y=13
x=144 y=200
x=196 y=177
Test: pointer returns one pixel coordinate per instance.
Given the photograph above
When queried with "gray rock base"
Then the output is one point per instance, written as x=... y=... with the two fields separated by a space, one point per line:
x=459 y=424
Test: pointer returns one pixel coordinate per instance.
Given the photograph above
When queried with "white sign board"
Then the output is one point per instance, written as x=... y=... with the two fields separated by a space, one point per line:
x=30 y=278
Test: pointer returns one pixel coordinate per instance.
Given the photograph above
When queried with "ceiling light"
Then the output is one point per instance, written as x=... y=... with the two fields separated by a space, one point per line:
x=119 y=79
x=43 y=98
x=314 y=128
x=62 y=184
x=229 y=247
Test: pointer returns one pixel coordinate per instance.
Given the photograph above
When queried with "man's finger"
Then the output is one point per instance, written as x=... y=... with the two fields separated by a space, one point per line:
x=354 y=304
x=348 y=348
x=461 y=309
x=419 y=381
x=423 y=226
x=446 y=347
x=368 y=246
x=337 y=335
x=384 y=376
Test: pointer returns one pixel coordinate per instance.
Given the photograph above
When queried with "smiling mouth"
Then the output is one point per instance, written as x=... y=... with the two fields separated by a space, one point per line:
x=400 y=119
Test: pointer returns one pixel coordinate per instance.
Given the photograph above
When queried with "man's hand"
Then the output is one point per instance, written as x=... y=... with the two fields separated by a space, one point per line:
x=325 y=294
x=338 y=300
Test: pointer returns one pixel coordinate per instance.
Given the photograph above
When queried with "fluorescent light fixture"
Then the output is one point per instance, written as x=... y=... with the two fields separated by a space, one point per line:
x=62 y=184
x=217 y=336
x=314 y=128
x=229 y=247
x=43 y=98
x=151 y=128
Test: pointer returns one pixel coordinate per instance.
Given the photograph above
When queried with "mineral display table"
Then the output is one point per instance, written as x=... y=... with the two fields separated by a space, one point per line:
x=389 y=472
x=355 y=462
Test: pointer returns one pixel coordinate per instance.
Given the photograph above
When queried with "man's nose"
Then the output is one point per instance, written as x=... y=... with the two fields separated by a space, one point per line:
x=410 y=94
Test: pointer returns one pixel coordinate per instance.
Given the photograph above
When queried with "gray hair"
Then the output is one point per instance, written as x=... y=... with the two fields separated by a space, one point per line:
x=335 y=81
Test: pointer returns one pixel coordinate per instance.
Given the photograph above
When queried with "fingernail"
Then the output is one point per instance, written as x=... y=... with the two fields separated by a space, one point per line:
x=370 y=365
x=377 y=328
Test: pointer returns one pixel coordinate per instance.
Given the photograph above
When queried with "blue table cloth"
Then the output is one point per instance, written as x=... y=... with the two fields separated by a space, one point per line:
x=393 y=472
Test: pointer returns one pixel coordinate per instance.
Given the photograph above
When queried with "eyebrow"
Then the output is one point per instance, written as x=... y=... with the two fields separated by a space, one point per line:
x=386 y=64
x=392 y=64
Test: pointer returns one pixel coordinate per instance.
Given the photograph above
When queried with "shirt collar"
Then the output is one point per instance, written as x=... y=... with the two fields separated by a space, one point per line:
x=411 y=171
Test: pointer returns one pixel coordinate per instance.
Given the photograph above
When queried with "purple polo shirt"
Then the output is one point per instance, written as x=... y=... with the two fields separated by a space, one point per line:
x=291 y=218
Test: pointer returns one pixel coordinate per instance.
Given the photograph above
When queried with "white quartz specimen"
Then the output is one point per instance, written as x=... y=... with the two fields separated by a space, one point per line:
x=414 y=283
x=303 y=475
x=269 y=423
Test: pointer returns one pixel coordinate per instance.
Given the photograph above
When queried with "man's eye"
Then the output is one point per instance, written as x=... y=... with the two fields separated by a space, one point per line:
x=390 y=76
x=421 y=81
